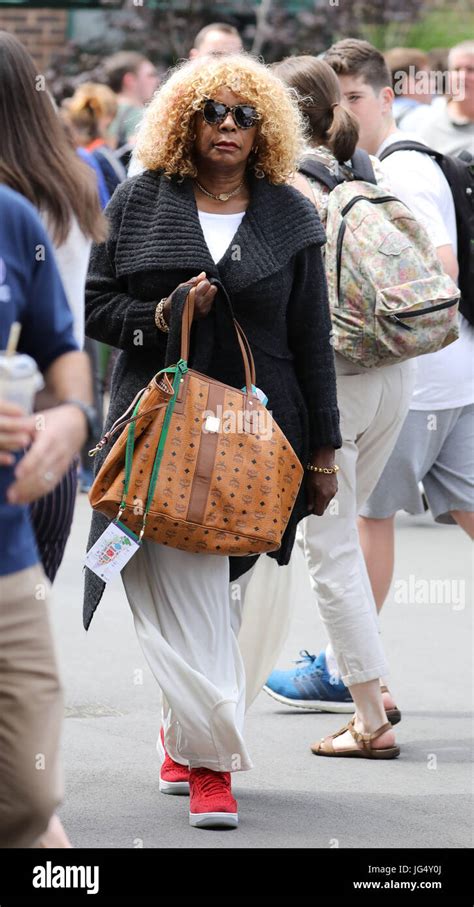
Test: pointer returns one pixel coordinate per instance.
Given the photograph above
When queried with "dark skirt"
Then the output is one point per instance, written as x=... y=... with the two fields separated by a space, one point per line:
x=51 y=517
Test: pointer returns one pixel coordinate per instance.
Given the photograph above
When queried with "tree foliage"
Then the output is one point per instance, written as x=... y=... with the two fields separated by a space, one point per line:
x=164 y=31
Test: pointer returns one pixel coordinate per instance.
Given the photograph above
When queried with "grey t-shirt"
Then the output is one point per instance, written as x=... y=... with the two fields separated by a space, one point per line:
x=444 y=134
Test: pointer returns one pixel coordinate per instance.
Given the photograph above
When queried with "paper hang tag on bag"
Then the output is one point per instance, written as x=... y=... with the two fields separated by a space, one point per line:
x=115 y=547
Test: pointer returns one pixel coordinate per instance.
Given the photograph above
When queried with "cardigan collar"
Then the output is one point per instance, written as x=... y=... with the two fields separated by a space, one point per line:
x=161 y=230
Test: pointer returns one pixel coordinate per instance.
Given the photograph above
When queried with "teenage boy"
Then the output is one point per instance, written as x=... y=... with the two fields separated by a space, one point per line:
x=436 y=444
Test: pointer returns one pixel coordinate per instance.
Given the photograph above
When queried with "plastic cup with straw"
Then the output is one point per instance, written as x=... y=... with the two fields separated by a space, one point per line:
x=20 y=379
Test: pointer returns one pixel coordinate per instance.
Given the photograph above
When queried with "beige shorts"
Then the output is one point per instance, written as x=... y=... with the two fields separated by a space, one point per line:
x=31 y=710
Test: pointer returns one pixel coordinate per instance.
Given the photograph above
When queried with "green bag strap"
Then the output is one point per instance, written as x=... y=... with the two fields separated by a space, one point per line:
x=178 y=370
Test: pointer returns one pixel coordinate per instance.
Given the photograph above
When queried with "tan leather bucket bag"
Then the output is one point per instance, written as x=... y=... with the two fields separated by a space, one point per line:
x=199 y=465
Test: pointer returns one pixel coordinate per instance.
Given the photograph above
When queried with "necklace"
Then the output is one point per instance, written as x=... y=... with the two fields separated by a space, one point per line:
x=223 y=196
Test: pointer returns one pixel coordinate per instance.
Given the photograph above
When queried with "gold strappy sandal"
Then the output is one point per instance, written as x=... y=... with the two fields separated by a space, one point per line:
x=364 y=749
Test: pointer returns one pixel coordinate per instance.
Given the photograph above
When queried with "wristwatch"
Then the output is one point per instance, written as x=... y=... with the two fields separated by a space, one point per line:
x=94 y=423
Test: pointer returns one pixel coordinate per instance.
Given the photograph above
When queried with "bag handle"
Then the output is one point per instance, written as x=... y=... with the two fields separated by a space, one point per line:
x=246 y=352
x=186 y=323
x=122 y=420
x=242 y=337
x=121 y=423
x=178 y=370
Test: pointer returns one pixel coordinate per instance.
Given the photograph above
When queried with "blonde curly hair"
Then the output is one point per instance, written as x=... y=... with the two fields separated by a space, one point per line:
x=166 y=137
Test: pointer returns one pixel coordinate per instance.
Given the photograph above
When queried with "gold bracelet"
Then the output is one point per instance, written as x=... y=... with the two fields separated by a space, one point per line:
x=327 y=470
x=160 y=318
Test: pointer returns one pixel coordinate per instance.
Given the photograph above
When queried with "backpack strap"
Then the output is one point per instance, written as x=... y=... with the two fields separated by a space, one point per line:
x=112 y=159
x=319 y=172
x=407 y=145
x=466 y=156
x=362 y=166
x=123 y=155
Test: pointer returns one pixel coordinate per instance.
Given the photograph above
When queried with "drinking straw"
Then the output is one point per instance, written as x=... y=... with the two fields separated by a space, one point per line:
x=13 y=338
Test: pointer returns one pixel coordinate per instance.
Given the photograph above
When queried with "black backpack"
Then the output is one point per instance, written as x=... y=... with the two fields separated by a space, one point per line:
x=459 y=172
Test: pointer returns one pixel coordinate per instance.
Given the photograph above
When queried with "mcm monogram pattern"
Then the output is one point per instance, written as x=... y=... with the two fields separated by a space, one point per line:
x=229 y=492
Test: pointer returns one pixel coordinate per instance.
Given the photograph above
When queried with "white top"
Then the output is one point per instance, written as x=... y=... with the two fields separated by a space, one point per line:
x=135 y=167
x=444 y=379
x=219 y=230
x=421 y=184
x=72 y=259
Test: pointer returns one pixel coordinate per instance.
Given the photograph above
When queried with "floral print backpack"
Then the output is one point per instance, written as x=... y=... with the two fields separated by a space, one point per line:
x=389 y=296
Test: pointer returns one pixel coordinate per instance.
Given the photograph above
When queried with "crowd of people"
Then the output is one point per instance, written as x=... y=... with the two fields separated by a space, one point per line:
x=223 y=176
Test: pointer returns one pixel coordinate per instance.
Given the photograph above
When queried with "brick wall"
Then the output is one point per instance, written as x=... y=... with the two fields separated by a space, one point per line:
x=42 y=31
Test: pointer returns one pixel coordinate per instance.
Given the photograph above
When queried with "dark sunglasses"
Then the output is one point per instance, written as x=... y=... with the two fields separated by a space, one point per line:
x=243 y=115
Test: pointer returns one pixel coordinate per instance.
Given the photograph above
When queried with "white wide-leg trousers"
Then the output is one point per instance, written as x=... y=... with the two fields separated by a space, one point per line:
x=182 y=612
x=209 y=644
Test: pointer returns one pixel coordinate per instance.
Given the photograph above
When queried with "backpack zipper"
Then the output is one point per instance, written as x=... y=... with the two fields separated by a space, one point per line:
x=373 y=201
x=426 y=311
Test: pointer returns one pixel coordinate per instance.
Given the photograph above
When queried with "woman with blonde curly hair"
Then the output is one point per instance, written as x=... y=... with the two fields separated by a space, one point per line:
x=213 y=210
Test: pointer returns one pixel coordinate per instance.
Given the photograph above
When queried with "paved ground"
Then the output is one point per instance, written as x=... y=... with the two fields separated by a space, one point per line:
x=291 y=798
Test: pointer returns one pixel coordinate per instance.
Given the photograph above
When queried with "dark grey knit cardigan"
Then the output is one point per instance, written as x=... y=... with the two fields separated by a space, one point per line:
x=274 y=275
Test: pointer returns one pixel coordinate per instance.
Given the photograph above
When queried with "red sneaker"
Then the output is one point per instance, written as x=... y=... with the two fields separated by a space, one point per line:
x=212 y=804
x=174 y=777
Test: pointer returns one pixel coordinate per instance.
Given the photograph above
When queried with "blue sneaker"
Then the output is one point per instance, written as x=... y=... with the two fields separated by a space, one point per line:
x=310 y=686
